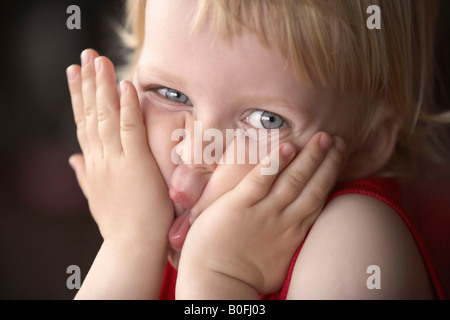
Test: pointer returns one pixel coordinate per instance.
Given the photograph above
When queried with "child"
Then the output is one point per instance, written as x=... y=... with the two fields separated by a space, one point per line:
x=312 y=72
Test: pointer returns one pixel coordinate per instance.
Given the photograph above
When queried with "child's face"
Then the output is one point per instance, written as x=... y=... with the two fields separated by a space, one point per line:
x=224 y=87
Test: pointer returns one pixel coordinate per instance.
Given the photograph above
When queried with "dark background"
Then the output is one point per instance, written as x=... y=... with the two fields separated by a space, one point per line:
x=45 y=224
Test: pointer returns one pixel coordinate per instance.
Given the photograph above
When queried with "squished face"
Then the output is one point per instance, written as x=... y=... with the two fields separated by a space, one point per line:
x=186 y=80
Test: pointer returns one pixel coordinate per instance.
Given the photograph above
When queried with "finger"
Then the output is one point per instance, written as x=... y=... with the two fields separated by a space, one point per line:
x=107 y=106
x=294 y=178
x=255 y=185
x=133 y=133
x=89 y=100
x=316 y=191
x=74 y=81
x=76 y=161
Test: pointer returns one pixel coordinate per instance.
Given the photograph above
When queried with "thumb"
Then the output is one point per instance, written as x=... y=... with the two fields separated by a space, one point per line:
x=76 y=161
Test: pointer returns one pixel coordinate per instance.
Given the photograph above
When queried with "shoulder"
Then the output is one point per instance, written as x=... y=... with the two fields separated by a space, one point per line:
x=359 y=248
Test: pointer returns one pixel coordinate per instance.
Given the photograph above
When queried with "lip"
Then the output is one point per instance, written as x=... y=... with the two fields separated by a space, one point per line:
x=187 y=184
x=178 y=231
x=181 y=197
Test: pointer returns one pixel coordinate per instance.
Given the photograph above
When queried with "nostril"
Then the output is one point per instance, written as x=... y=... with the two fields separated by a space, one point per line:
x=181 y=197
x=175 y=195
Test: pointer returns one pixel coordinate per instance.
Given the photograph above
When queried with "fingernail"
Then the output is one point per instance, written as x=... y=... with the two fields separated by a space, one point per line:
x=85 y=57
x=325 y=141
x=123 y=87
x=98 y=65
x=71 y=162
x=71 y=73
x=287 y=150
x=340 y=144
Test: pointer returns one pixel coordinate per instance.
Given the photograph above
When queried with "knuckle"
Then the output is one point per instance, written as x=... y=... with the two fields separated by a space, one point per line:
x=127 y=125
x=319 y=194
x=297 y=179
x=102 y=115
x=79 y=121
x=254 y=187
x=258 y=179
x=89 y=110
x=81 y=132
x=281 y=199
x=316 y=197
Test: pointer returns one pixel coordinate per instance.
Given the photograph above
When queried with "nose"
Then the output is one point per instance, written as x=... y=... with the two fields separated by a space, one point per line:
x=200 y=150
x=202 y=144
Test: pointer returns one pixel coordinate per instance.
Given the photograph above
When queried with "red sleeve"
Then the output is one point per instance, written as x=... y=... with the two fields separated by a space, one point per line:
x=168 y=283
x=383 y=189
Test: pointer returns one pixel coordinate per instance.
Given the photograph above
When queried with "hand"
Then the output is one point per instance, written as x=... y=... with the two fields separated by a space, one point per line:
x=117 y=171
x=242 y=244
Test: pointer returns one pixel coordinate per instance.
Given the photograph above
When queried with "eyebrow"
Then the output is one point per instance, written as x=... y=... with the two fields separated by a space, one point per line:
x=148 y=69
x=263 y=101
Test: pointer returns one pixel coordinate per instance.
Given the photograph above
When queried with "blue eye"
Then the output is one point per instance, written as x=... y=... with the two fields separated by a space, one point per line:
x=261 y=119
x=175 y=96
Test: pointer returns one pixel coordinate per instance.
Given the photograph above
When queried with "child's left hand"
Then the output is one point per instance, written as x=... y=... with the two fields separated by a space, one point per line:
x=242 y=244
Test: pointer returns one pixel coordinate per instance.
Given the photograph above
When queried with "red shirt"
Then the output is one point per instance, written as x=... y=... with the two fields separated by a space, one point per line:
x=384 y=189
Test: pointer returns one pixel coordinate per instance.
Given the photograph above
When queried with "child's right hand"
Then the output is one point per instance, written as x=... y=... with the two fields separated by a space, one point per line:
x=117 y=172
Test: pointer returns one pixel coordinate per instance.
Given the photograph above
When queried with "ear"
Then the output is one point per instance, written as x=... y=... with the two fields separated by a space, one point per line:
x=372 y=154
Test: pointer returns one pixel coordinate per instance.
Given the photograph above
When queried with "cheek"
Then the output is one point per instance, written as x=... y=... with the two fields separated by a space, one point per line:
x=160 y=125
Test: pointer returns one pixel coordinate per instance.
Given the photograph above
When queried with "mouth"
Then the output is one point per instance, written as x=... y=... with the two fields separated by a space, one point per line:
x=182 y=223
x=186 y=187
x=179 y=230
x=184 y=200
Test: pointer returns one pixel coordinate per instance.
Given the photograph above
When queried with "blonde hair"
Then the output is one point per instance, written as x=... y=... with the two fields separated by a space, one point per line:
x=328 y=44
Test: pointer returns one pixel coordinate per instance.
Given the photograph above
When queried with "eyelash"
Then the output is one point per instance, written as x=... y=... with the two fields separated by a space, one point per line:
x=171 y=92
x=271 y=115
